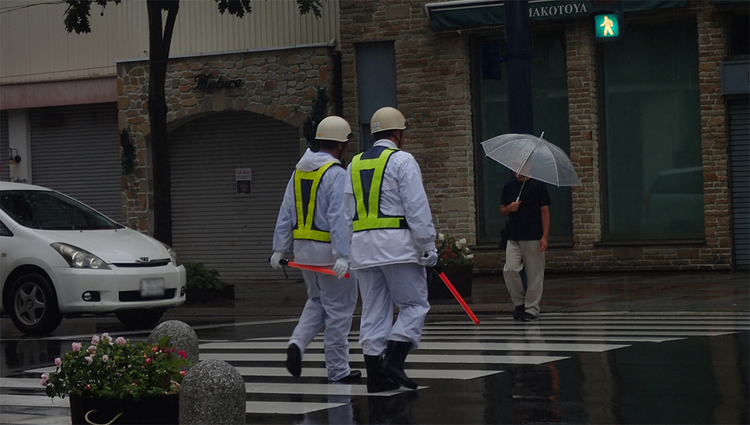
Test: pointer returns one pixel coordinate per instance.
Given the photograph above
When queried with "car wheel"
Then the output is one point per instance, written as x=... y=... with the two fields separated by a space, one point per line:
x=140 y=318
x=34 y=308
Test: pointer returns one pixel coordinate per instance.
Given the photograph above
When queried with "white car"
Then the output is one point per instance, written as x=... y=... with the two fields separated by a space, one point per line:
x=60 y=258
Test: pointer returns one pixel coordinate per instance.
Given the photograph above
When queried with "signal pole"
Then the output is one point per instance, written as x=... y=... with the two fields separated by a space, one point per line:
x=518 y=64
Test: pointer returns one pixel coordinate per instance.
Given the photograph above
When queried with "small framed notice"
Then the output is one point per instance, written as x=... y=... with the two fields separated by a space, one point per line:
x=244 y=181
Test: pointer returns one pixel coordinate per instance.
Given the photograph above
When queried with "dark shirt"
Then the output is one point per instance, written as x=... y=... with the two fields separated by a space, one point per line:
x=526 y=223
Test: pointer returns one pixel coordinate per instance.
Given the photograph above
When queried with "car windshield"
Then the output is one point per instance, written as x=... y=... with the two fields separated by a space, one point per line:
x=48 y=210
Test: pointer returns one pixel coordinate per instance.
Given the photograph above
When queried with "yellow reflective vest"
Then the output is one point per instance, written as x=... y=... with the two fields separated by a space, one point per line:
x=367 y=171
x=305 y=193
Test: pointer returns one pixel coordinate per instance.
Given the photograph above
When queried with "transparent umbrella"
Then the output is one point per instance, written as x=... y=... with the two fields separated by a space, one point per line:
x=532 y=156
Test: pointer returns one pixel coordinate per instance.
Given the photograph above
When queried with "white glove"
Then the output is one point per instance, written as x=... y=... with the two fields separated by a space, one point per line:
x=275 y=259
x=428 y=258
x=341 y=267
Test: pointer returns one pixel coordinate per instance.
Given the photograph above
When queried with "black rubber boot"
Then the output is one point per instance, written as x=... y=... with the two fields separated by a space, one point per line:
x=294 y=360
x=377 y=382
x=392 y=364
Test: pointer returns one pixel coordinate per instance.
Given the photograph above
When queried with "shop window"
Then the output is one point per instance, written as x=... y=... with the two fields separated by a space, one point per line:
x=550 y=115
x=649 y=123
x=376 y=84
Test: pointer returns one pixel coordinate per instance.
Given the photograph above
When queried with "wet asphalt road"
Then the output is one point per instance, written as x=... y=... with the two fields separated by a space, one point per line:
x=646 y=352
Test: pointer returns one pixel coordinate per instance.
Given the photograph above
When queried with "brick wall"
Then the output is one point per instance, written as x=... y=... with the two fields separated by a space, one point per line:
x=434 y=93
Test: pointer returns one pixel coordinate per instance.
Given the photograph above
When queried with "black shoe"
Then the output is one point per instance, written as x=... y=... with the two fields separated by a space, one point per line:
x=377 y=382
x=518 y=312
x=294 y=360
x=352 y=378
x=392 y=364
x=528 y=317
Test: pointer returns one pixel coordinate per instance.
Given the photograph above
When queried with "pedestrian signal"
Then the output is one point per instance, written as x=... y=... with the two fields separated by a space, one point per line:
x=608 y=19
x=607 y=26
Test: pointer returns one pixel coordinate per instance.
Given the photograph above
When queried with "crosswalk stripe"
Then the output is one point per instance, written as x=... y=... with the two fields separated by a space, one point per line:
x=285 y=408
x=412 y=359
x=315 y=389
x=468 y=346
x=320 y=372
x=504 y=336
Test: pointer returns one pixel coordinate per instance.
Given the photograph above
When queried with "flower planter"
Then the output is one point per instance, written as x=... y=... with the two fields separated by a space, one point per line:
x=162 y=409
x=460 y=276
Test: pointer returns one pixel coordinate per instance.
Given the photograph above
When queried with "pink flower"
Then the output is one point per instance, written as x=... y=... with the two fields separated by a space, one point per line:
x=88 y=387
x=45 y=378
x=76 y=346
x=182 y=373
x=58 y=362
x=120 y=341
x=106 y=337
x=95 y=339
x=89 y=359
x=148 y=360
x=105 y=358
x=182 y=354
x=92 y=348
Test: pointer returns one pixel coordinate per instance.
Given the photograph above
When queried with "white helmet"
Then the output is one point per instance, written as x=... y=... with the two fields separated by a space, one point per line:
x=333 y=128
x=387 y=118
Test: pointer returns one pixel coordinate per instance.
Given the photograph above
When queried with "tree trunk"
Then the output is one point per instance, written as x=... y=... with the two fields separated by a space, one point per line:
x=159 y=43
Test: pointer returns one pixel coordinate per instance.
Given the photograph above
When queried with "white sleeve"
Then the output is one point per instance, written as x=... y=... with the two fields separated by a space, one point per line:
x=282 y=235
x=416 y=206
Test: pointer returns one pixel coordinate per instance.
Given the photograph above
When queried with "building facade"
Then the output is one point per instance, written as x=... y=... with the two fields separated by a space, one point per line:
x=644 y=120
x=656 y=123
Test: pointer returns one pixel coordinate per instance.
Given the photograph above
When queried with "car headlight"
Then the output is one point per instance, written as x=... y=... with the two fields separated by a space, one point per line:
x=173 y=254
x=79 y=258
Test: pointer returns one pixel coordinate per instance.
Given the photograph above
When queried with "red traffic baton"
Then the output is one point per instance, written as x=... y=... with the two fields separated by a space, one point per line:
x=285 y=262
x=455 y=293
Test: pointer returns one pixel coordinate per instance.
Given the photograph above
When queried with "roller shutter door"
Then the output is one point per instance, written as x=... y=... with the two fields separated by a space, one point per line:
x=76 y=150
x=739 y=148
x=211 y=223
x=4 y=147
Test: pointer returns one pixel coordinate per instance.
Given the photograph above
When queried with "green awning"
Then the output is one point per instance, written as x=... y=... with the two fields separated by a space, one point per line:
x=464 y=14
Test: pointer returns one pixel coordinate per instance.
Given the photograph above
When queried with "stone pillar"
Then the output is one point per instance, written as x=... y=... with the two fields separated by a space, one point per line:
x=181 y=336
x=212 y=392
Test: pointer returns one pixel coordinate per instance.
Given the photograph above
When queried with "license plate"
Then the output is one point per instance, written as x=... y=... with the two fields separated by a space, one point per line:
x=151 y=288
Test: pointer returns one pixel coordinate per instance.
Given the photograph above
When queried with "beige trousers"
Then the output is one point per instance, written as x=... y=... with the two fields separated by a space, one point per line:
x=520 y=255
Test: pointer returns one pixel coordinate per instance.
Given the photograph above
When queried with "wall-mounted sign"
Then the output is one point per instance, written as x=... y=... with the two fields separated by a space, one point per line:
x=244 y=181
x=209 y=82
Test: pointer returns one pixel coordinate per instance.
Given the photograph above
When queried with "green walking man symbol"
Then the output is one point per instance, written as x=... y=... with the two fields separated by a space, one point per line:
x=607 y=24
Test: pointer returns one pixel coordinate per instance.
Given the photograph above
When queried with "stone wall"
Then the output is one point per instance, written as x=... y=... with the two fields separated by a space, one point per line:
x=434 y=93
x=281 y=84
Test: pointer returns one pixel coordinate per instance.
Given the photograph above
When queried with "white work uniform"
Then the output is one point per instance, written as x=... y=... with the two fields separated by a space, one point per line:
x=331 y=301
x=386 y=259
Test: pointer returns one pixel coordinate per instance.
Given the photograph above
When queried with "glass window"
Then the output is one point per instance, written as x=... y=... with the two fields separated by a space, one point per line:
x=48 y=210
x=376 y=84
x=550 y=109
x=651 y=133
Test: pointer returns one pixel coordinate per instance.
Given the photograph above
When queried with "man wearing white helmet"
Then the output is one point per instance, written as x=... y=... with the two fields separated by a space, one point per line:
x=312 y=215
x=393 y=241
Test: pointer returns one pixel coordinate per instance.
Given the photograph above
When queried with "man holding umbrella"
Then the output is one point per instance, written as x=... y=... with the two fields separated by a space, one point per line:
x=527 y=202
x=533 y=160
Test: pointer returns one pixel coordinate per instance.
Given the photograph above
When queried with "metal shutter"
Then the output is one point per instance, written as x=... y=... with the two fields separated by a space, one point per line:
x=739 y=148
x=211 y=223
x=76 y=150
x=4 y=147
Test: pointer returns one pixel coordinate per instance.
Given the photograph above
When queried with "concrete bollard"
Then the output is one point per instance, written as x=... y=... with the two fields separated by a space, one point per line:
x=212 y=392
x=180 y=334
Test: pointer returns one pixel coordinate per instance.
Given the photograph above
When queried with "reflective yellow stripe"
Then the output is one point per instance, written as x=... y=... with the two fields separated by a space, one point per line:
x=304 y=228
x=368 y=215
